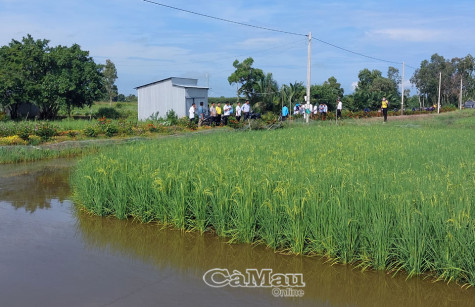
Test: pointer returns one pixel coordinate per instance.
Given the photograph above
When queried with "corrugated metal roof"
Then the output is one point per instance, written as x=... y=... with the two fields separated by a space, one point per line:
x=175 y=84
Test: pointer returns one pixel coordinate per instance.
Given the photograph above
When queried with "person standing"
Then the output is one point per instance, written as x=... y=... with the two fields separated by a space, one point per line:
x=325 y=111
x=212 y=113
x=201 y=114
x=246 y=109
x=316 y=109
x=384 y=108
x=231 y=108
x=285 y=112
x=219 y=111
x=339 y=107
x=191 y=112
x=226 y=113
x=238 y=111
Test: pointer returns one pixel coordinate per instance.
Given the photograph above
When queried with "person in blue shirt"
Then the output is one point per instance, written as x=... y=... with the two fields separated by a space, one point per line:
x=285 y=113
x=201 y=114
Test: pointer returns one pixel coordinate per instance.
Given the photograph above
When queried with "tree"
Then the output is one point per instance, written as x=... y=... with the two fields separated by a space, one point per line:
x=248 y=77
x=267 y=90
x=31 y=71
x=426 y=78
x=74 y=81
x=110 y=75
x=326 y=93
x=23 y=64
x=372 y=86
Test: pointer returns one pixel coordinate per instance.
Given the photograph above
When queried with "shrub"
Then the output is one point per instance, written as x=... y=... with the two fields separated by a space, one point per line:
x=182 y=122
x=111 y=130
x=34 y=140
x=233 y=123
x=46 y=130
x=172 y=117
x=107 y=112
x=270 y=117
x=90 y=132
x=12 y=140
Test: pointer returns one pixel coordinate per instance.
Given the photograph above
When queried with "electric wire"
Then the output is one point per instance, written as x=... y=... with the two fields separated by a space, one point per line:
x=274 y=30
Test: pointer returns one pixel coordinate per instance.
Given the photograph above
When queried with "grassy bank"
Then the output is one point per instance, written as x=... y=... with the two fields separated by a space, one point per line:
x=383 y=196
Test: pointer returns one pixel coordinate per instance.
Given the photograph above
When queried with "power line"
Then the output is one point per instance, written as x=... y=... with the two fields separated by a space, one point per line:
x=223 y=19
x=354 y=52
x=274 y=30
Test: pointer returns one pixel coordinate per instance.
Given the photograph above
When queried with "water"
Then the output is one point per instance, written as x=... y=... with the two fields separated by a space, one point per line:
x=52 y=254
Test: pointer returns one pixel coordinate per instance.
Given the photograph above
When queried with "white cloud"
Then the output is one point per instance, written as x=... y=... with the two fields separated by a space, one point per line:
x=259 y=42
x=408 y=34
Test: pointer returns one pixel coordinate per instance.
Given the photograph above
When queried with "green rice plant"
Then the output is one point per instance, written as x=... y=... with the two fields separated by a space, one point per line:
x=390 y=197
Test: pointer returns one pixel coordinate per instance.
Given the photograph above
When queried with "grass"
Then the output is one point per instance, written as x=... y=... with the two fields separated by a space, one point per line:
x=17 y=154
x=382 y=196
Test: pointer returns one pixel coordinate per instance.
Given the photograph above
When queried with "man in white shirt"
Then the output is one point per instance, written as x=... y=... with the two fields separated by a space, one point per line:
x=339 y=107
x=227 y=112
x=246 y=108
x=191 y=112
x=238 y=112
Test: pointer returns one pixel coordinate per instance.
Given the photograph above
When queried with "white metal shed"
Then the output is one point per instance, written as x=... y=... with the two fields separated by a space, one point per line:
x=173 y=93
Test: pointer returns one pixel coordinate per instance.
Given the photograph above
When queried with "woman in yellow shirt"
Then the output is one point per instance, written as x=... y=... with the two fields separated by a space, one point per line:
x=384 y=107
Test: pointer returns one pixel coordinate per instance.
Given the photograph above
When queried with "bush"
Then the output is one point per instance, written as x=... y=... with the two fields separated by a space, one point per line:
x=270 y=117
x=12 y=140
x=90 y=132
x=172 y=118
x=46 y=130
x=34 y=140
x=233 y=123
x=182 y=122
x=111 y=130
x=107 y=112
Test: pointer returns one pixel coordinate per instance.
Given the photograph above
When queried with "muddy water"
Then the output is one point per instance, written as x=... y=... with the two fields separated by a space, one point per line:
x=52 y=254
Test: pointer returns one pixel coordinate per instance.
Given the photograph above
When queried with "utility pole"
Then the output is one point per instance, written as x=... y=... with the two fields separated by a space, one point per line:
x=402 y=90
x=460 y=100
x=308 y=73
x=438 y=101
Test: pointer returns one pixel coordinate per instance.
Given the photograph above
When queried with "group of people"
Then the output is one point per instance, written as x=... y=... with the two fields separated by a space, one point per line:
x=322 y=109
x=220 y=114
x=315 y=112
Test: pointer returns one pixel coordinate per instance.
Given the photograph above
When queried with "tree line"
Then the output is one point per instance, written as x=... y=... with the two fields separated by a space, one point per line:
x=51 y=78
x=264 y=92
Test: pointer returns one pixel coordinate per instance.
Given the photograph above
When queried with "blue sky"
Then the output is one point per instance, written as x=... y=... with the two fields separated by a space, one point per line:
x=148 y=42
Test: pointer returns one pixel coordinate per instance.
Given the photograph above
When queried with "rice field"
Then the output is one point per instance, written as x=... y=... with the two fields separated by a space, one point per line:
x=378 y=196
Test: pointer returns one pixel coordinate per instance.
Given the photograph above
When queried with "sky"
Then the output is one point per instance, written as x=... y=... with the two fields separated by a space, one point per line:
x=149 y=42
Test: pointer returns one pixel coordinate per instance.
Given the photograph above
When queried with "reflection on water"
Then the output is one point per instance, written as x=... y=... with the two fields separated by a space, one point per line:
x=192 y=253
x=75 y=249
x=34 y=185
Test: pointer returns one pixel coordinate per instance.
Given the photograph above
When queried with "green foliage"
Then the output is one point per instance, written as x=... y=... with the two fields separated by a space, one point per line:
x=90 y=132
x=110 y=75
x=107 y=112
x=111 y=130
x=171 y=117
x=248 y=77
x=49 y=77
x=426 y=79
x=326 y=93
x=344 y=194
x=45 y=130
x=270 y=117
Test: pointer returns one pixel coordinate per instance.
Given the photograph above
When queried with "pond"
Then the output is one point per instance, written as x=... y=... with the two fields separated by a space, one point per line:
x=53 y=254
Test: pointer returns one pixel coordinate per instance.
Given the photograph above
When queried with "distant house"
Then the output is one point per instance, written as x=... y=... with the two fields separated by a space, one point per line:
x=175 y=94
x=469 y=104
x=23 y=110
